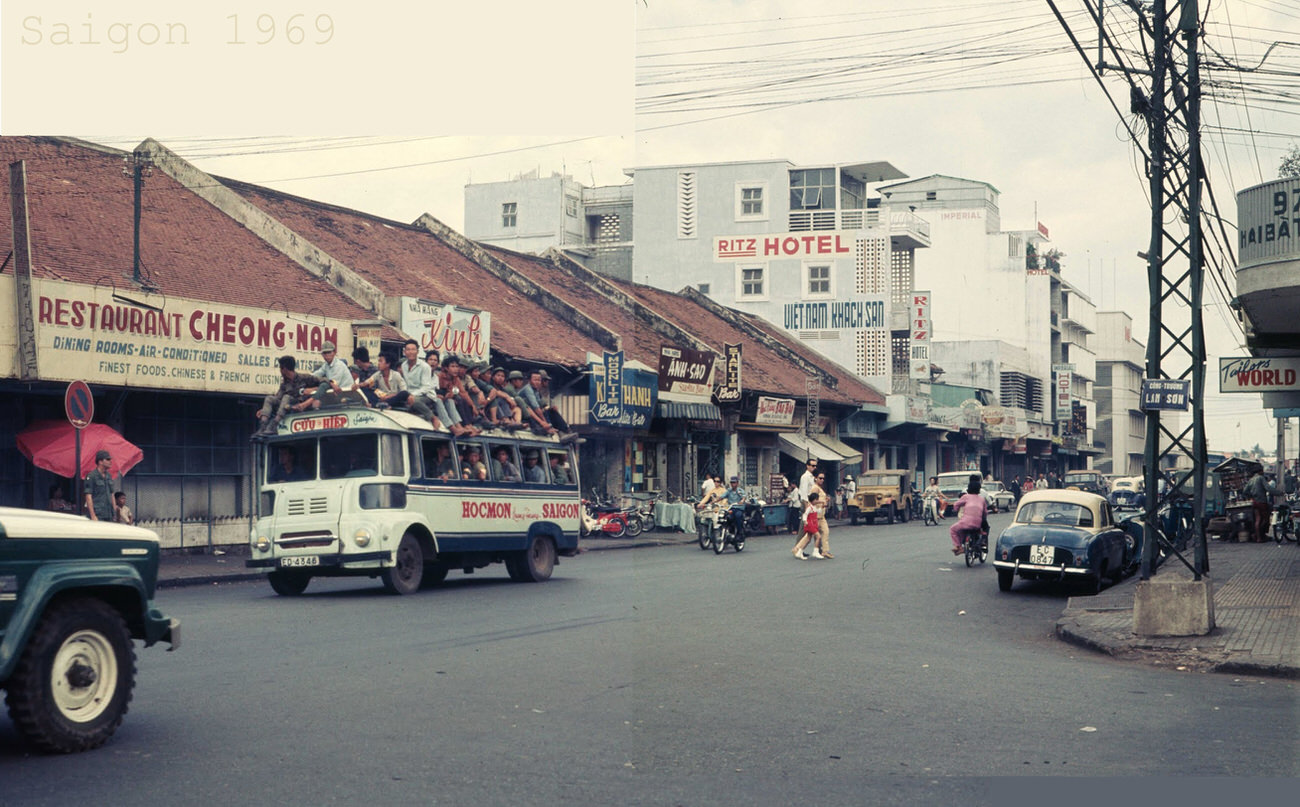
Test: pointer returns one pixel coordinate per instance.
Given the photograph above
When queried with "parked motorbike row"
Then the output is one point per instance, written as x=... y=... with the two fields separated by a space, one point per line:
x=613 y=521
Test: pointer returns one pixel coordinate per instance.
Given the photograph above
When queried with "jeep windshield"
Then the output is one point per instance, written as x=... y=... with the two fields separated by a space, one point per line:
x=886 y=480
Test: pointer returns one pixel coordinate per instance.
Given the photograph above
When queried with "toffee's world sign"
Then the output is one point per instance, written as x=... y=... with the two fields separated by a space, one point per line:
x=127 y=338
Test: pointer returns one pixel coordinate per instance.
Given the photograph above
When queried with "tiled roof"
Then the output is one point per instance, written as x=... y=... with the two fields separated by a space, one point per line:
x=405 y=260
x=80 y=208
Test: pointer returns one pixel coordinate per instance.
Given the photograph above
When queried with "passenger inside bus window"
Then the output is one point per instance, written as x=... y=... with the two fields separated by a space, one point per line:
x=349 y=455
x=504 y=468
x=534 y=471
x=559 y=462
x=471 y=463
x=438 y=463
x=287 y=467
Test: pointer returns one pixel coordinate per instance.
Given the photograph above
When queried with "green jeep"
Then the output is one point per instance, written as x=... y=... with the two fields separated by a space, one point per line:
x=73 y=594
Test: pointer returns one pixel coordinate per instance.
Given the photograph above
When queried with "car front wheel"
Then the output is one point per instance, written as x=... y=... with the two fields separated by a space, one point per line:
x=73 y=684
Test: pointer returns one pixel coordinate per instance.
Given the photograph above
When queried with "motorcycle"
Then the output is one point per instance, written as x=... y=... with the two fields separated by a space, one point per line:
x=708 y=525
x=732 y=530
x=606 y=520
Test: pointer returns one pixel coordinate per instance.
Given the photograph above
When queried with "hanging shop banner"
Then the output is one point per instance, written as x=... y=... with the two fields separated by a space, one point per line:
x=1063 y=384
x=686 y=373
x=1259 y=375
x=729 y=392
x=919 y=364
x=784 y=245
x=858 y=314
x=130 y=338
x=611 y=408
x=639 y=395
x=775 y=411
x=448 y=329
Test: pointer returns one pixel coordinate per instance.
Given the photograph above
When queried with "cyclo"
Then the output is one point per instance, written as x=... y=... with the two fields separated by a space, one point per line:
x=354 y=491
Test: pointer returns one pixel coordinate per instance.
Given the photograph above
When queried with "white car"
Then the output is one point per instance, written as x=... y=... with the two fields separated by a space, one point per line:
x=999 y=498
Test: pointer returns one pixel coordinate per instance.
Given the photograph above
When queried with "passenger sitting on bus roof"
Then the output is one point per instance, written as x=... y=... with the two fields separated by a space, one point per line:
x=469 y=400
x=362 y=368
x=471 y=464
x=559 y=473
x=422 y=384
x=390 y=388
x=506 y=471
x=539 y=381
x=503 y=410
x=287 y=470
x=278 y=404
x=526 y=397
x=533 y=470
x=444 y=467
x=448 y=393
x=477 y=386
x=333 y=374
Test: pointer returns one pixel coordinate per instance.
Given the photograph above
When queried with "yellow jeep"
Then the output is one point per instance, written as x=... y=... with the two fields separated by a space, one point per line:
x=883 y=492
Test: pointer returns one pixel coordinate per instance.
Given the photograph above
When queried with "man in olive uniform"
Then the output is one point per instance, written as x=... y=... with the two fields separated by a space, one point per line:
x=99 y=489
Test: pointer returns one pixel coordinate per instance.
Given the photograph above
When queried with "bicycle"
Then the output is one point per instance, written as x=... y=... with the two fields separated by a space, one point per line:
x=1284 y=526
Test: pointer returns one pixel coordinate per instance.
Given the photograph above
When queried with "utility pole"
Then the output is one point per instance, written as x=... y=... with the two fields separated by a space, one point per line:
x=138 y=166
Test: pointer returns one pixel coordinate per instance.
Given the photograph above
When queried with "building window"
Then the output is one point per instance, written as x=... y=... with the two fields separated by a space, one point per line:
x=571 y=206
x=751 y=201
x=931 y=196
x=812 y=189
x=509 y=213
x=702 y=288
x=752 y=281
x=686 y=223
x=817 y=280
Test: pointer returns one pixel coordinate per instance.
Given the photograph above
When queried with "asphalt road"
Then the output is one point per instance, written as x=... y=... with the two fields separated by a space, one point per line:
x=655 y=676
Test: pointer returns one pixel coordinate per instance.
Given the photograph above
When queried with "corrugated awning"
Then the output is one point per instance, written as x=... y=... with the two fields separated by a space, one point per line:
x=801 y=448
x=847 y=453
x=680 y=410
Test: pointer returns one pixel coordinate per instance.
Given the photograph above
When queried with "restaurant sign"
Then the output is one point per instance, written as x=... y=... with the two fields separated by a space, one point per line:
x=775 y=411
x=128 y=338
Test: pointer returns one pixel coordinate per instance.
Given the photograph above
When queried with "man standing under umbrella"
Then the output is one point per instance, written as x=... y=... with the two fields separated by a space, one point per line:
x=99 y=489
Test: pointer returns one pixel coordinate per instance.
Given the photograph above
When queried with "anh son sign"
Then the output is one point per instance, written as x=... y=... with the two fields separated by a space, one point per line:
x=1259 y=375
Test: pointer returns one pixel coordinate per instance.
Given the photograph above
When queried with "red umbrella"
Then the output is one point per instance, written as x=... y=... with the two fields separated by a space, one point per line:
x=51 y=444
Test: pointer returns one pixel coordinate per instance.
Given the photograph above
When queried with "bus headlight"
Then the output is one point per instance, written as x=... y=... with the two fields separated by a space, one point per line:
x=263 y=543
x=361 y=537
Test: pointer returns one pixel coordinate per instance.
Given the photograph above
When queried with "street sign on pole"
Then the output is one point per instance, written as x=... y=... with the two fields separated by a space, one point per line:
x=79 y=404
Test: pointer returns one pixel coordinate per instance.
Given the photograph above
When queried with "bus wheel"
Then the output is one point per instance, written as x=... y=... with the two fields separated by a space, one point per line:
x=404 y=576
x=534 y=564
x=288 y=583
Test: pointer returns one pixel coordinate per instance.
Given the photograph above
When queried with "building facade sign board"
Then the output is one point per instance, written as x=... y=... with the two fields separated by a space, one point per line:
x=821 y=244
x=448 y=329
x=921 y=328
x=685 y=374
x=775 y=411
x=133 y=339
x=1259 y=375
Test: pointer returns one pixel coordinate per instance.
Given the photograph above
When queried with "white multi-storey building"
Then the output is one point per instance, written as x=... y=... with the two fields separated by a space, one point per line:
x=1121 y=423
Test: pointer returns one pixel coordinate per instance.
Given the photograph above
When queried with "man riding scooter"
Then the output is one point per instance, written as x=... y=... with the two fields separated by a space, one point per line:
x=734 y=496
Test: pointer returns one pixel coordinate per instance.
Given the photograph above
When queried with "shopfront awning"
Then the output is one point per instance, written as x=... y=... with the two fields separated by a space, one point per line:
x=801 y=448
x=847 y=453
x=680 y=410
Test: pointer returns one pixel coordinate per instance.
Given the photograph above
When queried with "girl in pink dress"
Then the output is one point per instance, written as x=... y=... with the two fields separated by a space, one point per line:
x=972 y=511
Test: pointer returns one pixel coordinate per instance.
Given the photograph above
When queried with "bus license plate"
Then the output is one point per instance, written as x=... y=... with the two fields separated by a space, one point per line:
x=311 y=560
x=1042 y=554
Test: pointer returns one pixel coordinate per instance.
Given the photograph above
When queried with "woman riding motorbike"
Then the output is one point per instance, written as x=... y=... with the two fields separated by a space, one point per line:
x=972 y=511
x=935 y=504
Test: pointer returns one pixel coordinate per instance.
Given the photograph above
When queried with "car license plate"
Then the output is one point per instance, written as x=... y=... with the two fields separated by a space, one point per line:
x=310 y=560
x=1042 y=554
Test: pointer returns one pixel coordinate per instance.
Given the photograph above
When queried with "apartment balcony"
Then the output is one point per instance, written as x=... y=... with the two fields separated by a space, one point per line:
x=906 y=230
x=1268 y=263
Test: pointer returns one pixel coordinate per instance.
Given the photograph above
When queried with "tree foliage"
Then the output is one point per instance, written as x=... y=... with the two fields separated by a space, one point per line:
x=1290 y=166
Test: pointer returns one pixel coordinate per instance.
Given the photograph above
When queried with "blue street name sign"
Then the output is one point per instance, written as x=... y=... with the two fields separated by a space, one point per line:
x=1165 y=393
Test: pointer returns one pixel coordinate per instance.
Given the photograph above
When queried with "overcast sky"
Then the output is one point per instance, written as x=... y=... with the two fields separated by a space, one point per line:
x=991 y=91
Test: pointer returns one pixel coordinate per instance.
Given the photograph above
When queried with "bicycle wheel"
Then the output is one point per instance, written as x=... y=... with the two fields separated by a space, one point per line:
x=971 y=550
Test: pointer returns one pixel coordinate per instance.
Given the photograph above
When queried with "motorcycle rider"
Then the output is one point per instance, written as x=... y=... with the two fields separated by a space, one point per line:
x=734 y=495
x=932 y=498
x=972 y=513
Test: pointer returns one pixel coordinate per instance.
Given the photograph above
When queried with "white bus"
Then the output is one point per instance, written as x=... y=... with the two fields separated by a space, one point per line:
x=380 y=493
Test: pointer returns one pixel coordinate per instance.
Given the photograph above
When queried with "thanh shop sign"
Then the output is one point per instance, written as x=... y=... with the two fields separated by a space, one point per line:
x=638 y=392
x=133 y=339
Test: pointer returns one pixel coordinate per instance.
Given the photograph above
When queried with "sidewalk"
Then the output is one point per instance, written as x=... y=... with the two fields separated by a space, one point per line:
x=1256 y=615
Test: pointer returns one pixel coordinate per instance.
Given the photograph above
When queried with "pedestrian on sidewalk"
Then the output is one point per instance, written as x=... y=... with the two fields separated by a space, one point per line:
x=1259 y=489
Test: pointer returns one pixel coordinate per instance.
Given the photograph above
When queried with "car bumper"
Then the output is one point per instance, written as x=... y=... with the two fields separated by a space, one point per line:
x=158 y=628
x=332 y=561
x=1042 y=570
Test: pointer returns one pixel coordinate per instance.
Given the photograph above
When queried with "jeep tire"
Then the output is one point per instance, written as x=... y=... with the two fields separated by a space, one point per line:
x=73 y=684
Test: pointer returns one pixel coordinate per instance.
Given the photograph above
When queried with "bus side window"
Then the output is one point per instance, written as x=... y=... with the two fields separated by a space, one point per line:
x=390 y=454
x=561 y=473
x=439 y=461
x=473 y=465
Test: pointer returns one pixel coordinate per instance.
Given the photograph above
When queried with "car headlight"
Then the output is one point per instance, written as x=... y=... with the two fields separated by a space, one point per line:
x=263 y=543
x=361 y=537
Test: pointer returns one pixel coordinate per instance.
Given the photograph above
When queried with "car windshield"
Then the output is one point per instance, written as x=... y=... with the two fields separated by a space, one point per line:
x=1077 y=478
x=1067 y=513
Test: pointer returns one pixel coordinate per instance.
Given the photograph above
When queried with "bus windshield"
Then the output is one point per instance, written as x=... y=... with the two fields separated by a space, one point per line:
x=349 y=455
x=291 y=462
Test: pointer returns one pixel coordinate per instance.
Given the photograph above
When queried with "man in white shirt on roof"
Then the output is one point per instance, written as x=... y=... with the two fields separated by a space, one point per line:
x=334 y=374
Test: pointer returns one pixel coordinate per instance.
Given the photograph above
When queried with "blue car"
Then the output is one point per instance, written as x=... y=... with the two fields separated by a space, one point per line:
x=1064 y=535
